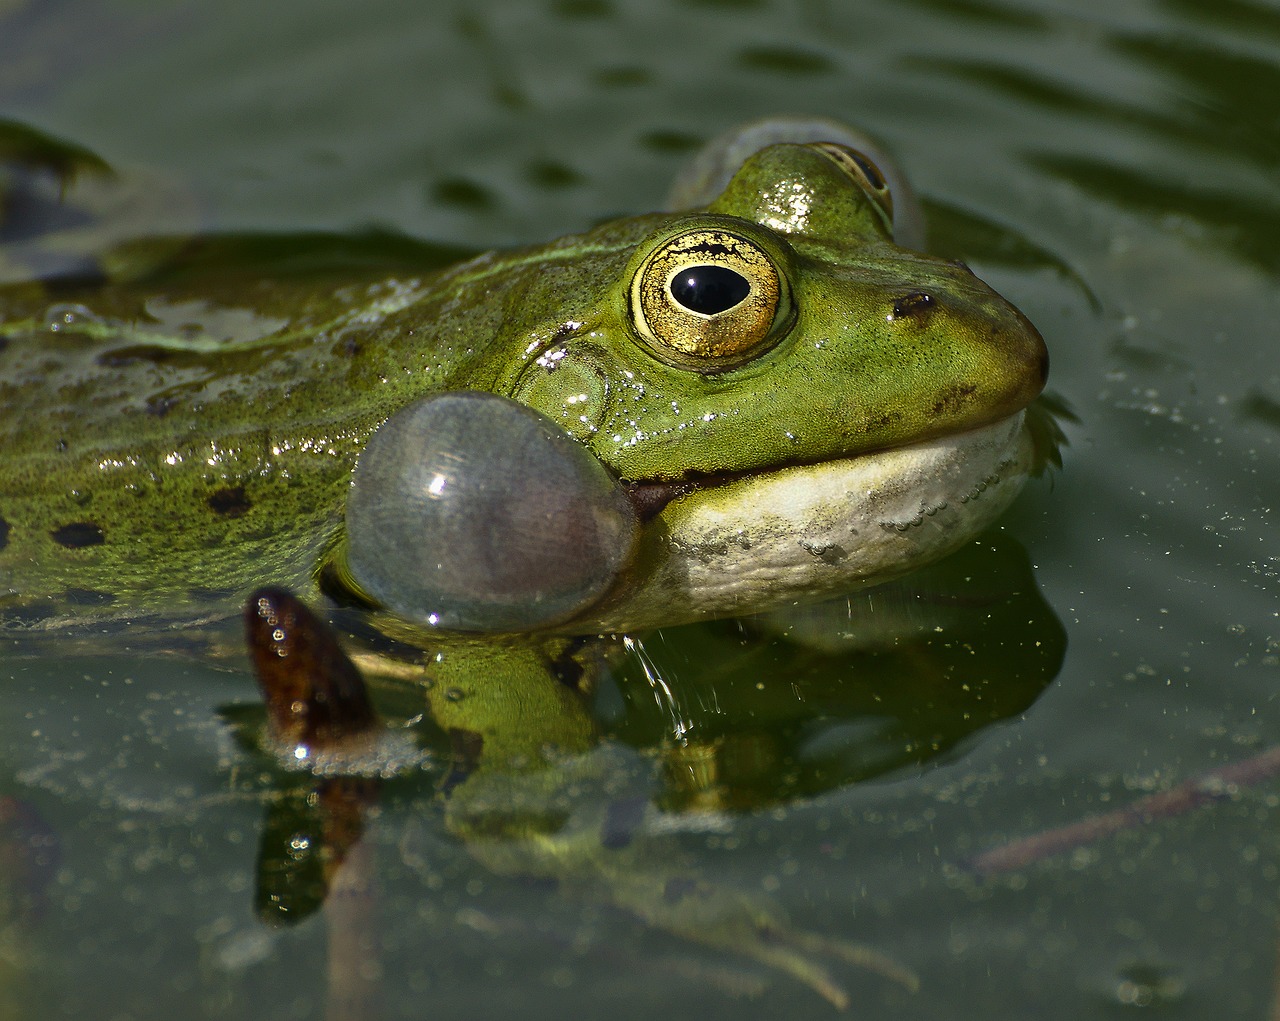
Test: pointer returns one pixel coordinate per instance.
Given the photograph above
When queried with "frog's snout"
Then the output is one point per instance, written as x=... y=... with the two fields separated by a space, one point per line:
x=1037 y=349
x=969 y=334
x=1017 y=347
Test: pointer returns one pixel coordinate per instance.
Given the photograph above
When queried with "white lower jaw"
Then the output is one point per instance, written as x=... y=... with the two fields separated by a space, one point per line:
x=801 y=533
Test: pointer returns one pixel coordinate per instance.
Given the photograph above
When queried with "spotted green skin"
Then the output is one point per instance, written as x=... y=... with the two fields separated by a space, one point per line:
x=150 y=468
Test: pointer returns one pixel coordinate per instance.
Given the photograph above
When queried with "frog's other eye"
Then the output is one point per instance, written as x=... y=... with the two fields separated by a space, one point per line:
x=472 y=512
x=708 y=299
x=865 y=174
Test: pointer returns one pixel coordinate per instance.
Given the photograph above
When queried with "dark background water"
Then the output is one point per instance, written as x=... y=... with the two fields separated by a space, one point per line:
x=1110 y=167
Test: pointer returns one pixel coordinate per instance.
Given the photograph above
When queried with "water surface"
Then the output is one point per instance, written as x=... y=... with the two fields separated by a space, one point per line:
x=1108 y=167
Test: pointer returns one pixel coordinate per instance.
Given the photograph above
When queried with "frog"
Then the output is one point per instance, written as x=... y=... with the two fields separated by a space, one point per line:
x=853 y=411
x=762 y=395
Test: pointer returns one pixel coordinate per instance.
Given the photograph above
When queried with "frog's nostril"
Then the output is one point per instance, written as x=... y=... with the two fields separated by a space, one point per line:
x=917 y=303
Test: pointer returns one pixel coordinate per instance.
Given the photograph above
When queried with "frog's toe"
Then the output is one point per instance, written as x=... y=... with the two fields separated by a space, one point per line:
x=472 y=512
x=801 y=955
x=803 y=968
x=860 y=955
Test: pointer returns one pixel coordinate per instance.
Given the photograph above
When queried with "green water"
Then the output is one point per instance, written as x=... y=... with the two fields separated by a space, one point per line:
x=1110 y=167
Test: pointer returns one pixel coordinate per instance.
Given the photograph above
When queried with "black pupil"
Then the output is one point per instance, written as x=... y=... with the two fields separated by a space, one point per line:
x=709 y=289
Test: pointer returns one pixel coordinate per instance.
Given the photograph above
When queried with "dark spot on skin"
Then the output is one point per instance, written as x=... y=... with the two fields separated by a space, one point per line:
x=4 y=533
x=79 y=534
x=87 y=597
x=678 y=888
x=4 y=342
x=914 y=304
x=160 y=406
x=229 y=501
x=954 y=399
x=62 y=446
x=884 y=421
x=347 y=347
x=622 y=820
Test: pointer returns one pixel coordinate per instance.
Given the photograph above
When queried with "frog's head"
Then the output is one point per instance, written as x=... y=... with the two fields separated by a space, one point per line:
x=791 y=402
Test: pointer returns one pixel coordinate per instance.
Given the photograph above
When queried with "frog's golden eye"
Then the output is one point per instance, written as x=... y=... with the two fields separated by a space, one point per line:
x=863 y=171
x=708 y=299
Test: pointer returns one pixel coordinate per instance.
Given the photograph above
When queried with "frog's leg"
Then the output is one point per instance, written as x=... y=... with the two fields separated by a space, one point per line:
x=799 y=956
x=705 y=177
x=799 y=953
x=741 y=923
x=543 y=798
x=563 y=825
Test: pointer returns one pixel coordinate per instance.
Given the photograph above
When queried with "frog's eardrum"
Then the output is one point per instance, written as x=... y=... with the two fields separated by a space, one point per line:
x=471 y=512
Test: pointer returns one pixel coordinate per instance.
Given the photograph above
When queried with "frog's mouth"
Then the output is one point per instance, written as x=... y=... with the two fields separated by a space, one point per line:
x=649 y=498
x=737 y=544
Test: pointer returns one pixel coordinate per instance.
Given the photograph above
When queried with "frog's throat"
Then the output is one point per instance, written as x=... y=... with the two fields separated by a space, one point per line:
x=760 y=541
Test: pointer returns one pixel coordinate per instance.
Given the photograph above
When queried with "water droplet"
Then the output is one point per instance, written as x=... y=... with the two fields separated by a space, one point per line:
x=68 y=316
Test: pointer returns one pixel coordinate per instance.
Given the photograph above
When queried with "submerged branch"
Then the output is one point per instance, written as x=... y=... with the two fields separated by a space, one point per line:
x=1215 y=785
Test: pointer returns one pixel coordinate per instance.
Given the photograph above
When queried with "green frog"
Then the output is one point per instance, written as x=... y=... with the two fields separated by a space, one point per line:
x=731 y=408
x=760 y=397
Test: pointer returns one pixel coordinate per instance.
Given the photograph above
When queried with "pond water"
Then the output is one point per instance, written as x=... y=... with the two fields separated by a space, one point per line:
x=1111 y=168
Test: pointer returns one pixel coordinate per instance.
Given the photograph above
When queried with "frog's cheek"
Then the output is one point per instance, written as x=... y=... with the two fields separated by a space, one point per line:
x=472 y=512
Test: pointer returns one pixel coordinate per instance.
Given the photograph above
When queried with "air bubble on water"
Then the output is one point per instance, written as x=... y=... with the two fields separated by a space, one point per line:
x=1146 y=985
x=68 y=316
x=387 y=755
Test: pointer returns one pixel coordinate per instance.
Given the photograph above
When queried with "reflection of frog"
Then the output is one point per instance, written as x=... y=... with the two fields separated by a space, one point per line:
x=676 y=416
x=532 y=790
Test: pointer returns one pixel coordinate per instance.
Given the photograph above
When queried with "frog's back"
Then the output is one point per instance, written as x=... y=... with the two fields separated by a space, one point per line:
x=166 y=447
x=164 y=452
